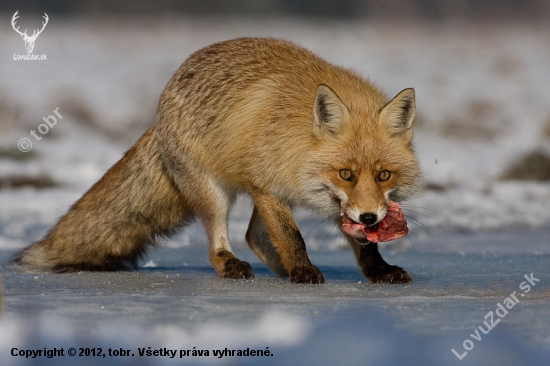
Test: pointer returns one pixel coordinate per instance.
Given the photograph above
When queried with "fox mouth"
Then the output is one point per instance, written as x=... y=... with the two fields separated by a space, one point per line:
x=391 y=227
x=355 y=229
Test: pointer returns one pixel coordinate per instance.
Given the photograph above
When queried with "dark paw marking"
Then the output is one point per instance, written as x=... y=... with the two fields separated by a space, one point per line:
x=389 y=274
x=310 y=274
x=235 y=268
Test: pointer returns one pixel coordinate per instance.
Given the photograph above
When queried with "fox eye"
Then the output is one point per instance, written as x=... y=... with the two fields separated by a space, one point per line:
x=345 y=174
x=384 y=175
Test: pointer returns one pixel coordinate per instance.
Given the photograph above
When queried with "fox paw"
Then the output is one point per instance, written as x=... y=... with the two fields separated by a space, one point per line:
x=388 y=274
x=235 y=268
x=309 y=274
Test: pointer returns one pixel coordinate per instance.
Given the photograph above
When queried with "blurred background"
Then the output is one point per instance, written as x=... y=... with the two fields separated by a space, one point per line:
x=399 y=10
x=480 y=69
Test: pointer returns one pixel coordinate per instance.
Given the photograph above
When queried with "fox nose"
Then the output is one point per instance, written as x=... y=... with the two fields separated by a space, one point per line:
x=368 y=218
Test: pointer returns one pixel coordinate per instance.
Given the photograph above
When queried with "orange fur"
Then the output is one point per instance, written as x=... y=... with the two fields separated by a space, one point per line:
x=262 y=117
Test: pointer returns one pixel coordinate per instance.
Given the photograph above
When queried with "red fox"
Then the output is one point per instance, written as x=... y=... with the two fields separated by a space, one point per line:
x=263 y=117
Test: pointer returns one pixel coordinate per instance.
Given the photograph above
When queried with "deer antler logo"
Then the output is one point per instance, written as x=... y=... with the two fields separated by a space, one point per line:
x=29 y=41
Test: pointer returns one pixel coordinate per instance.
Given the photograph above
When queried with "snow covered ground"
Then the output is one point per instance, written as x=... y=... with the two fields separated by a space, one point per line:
x=483 y=101
x=176 y=302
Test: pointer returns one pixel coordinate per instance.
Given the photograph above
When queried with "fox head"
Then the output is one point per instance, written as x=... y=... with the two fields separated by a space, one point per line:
x=363 y=155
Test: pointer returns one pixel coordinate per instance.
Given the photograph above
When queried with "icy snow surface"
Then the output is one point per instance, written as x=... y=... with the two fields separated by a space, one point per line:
x=483 y=99
x=181 y=304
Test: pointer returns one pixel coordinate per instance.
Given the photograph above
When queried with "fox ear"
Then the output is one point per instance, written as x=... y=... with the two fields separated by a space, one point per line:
x=329 y=112
x=398 y=115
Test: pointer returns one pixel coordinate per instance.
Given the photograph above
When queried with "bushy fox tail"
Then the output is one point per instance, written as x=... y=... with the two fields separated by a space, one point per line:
x=112 y=225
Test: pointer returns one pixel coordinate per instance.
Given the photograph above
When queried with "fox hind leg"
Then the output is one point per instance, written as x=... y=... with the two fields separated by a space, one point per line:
x=211 y=203
x=215 y=217
x=213 y=212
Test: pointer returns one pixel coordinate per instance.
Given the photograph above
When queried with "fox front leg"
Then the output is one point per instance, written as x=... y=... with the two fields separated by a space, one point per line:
x=259 y=241
x=285 y=236
x=374 y=267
